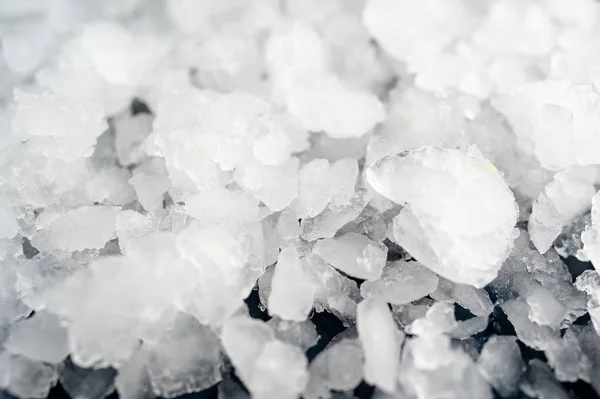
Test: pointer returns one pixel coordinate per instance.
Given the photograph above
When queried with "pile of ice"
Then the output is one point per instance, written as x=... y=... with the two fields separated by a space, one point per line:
x=300 y=199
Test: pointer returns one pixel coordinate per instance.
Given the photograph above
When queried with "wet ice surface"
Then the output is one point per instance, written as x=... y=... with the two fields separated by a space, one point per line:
x=299 y=199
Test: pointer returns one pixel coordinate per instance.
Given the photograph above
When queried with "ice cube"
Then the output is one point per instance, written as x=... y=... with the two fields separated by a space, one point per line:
x=339 y=367
x=26 y=378
x=401 y=282
x=381 y=342
x=454 y=201
x=501 y=364
x=186 y=359
x=292 y=290
x=78 y=229
x=41 y=338
x=353 y=254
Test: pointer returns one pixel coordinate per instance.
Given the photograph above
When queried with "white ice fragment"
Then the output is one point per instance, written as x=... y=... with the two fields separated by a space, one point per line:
x=130 y=134
x=406 y=29
x=295 y=54
x=186 y=359
x=292 y=290
x=132 y=224
x=529 y=332
x=222 y=205
x=401 y=282
x=381 y=342
x=325 y=104
x=328 y=222
x=40 y=338
x=458 y=217
x=590 y=237
x=301 y=334
x=274 y=147
x=269 y=368
x=151 y=182
x=117 y=55
x=430 y=368
x=555 y=121
x=333 y=291
x=343 y=174
x=353 y=254
x=589 y=281
x=66 y=127
x=501 y=364
x=314 y=191
x=439 y=319
x=26 y=378
x=567 y=196
x=132 y=381
x=477 y=300
x=465 y=329
x=338 y=367
x=8 y=223
x=539 y=382
x=78 y=229
x=544 y=308
x=275 y=186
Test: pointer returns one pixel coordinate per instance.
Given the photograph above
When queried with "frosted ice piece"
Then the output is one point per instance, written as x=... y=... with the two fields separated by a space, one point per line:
x=281 y=371
x=131 y=132
x=333 y=291
x=555 y=121
x=568 y=243
x=567 y=359
x=590 y=237
x=567 y=196
x=328 y=222
x=151 y=182
x=404 y=28
x=431 y=367
x=294 y=54
x=353 y=254
x=8 y=221
x=89 y=227
x=274 y=147
x=477 y=300
x=325 y=104
x=401 y=282
x=275 y=186
x=74 y=125
x=269 y=368
x=343 y=175
x=381 y=342
x=530 y=333
x=40 y=338
x=458 y=217
x=544 y=308
x=186 y=359
x=589 y=281
x=439 y=319
x=132 y=381
x=26 y=378
x=314 y=188
x=501 y=364
x=339 y=367
x=301 y=334
x=82 y=383
x=292 y=289
x=222 y=205
x=466 y=328
x=540 y=382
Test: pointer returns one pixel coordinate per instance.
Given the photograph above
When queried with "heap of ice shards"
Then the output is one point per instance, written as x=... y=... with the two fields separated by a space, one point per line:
x=285 y=199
